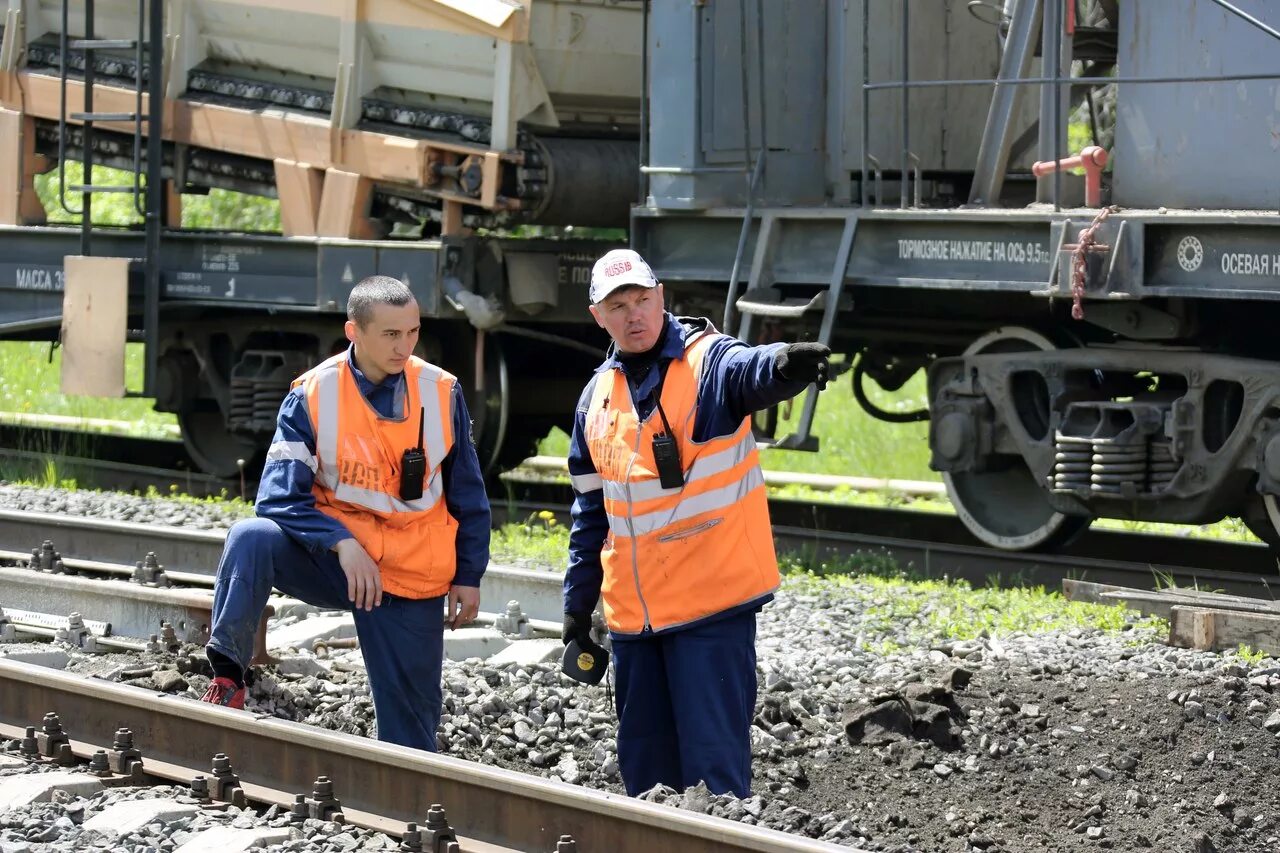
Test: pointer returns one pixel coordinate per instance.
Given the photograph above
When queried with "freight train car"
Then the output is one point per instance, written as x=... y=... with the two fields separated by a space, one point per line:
x=894 y=177
x=403 y=137
x=899 y=178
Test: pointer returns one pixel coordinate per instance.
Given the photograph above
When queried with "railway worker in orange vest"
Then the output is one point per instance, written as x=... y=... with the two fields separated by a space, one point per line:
x=671 y=527
x=371 y=500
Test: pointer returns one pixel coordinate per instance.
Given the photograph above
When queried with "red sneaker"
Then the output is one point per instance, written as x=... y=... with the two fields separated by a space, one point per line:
x=224 y=691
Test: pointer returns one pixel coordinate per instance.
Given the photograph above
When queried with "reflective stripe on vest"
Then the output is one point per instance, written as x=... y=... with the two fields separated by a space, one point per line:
x=677 y=555
x=705 y=466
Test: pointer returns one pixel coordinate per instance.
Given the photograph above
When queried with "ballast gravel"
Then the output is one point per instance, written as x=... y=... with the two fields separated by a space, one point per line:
x=869 y=732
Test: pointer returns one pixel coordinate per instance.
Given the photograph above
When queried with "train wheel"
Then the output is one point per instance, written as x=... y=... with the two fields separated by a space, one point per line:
x=491 y=407
x=216 y=450
x=1004 y=506
x=1262 y=517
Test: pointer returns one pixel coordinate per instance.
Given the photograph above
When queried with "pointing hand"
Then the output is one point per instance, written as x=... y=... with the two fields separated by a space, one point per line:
x=805 y=361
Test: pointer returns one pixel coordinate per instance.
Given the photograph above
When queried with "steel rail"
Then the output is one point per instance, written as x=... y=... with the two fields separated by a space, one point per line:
x=111 y=570
x=181 y=549
x=982 y=566
x=40 y=439
x=138 y=611
x=930 y=543
x=536 y=468
x=487 y=804
x=1253 y=564
x=154 y=771
x=189 y=554
x=128 y=609
x=190 y=557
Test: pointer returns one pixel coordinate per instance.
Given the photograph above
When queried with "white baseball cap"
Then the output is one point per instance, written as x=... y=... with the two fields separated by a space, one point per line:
x=619 y=268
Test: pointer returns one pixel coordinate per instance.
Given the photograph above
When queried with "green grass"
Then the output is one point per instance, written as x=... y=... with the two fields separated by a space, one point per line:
x=30 y=382
x=226 y=502
x=936 y=610
x=933 y=610
x=30 y=372
x=220 y=209
x=851 y=442
x=540 y=541
x=1250 y=656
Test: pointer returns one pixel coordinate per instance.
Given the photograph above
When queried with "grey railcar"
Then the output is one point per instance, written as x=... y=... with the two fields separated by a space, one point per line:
x=880 y=174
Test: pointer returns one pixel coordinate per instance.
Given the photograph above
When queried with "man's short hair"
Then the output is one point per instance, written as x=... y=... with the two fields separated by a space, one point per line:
x=375 y=290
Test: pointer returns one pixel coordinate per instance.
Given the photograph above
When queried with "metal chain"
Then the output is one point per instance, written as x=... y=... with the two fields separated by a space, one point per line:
x=1085 y=243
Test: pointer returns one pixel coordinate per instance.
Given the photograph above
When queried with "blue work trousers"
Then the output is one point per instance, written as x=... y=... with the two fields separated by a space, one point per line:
x=685 y=703
x=402 y=640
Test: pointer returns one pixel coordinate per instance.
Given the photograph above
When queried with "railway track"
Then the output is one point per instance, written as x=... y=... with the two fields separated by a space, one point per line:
x=165 y=574
x=936 y=544
x=155 y=575
x=383 y=788
x=928 y=543
x=380 y=786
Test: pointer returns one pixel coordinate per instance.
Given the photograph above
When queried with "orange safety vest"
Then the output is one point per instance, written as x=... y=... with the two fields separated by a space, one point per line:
x=676 y=556
x=357 y=472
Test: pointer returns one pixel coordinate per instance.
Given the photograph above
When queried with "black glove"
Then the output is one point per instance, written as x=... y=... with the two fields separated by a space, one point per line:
x=805 y=362
x=577 y=626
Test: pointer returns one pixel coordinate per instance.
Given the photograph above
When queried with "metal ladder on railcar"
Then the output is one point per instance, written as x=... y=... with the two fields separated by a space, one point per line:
x=148 y=78
x=763 y=299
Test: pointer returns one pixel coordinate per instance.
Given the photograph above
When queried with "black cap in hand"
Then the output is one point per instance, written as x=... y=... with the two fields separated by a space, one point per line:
x=584 y=660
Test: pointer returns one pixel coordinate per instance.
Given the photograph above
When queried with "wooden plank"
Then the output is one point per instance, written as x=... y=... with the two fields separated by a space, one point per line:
x=451 y=220
x=384 y=158
x=1221 y=630
x=300 y=188
x=94 y=312
x=1159 y=602
x=344 y=207
x=1191 y=628
x=10 y=168
x=1224 y=601
x=172 y=204
x=38 y=95
x=1086 y=591
x=490 y=179
x=19 y=164
x=10 y=90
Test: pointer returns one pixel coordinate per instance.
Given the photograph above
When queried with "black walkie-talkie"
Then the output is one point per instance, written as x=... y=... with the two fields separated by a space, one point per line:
x=666 y=453
x=413 y=466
